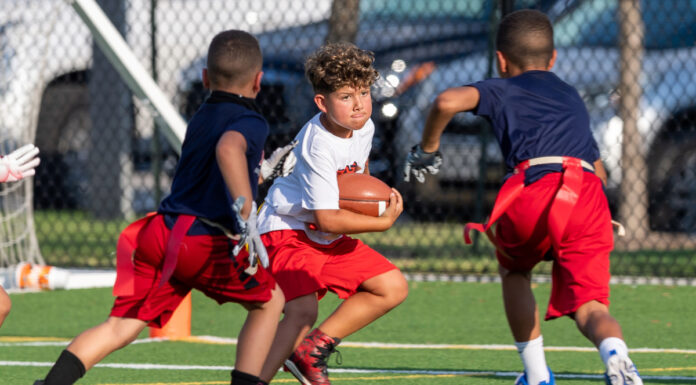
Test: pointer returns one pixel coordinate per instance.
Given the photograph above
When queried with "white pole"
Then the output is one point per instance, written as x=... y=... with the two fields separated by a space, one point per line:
x=137 y=78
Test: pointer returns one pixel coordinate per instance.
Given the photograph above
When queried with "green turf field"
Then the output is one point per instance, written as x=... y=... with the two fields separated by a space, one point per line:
x=445 y=333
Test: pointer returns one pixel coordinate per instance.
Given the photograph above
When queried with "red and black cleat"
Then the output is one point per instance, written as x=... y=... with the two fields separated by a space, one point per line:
x=308 y=363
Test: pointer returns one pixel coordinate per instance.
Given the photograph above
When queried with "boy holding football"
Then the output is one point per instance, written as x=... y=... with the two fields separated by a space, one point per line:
x=304 y=229
x=197 y=238
x=552 y=204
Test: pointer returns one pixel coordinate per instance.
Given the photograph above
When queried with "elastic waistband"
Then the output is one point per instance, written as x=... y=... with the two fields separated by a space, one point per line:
x=566 y=161
x=201 y=226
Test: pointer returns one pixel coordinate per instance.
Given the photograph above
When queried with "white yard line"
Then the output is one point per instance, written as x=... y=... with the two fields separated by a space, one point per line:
x=375 y=345
x=433 y=373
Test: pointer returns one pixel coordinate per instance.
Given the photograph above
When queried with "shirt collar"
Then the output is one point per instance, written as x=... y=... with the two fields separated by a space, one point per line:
x=226 y=97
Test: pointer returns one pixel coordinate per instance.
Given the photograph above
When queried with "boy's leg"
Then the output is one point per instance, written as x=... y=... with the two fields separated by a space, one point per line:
x=520 y=305
x=595 y=323
x=523 y=318
x=300 y=315
x=257 y=334
x=5 y=305
x=91 y=346
x=376 y=296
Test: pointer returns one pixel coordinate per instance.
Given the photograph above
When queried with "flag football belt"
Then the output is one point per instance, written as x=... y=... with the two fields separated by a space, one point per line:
x=562 y=205
x=127 y=243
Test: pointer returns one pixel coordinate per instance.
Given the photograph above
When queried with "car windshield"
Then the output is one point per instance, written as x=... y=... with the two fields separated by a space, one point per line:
x=474 y=9
x=399 y=9
x=594 y=23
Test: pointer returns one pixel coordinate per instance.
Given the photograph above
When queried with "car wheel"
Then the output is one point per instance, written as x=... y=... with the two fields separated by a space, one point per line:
x=673 y=186
x=63 y=136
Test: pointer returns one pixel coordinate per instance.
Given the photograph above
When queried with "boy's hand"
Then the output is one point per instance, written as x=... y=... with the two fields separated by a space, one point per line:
x=396 y=206
x=250 y=236
x=419 y=162
x=19 y=164
x=281 y=162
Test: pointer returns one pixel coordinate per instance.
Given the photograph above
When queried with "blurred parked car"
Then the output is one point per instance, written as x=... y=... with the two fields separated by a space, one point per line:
x=420 y=51
x=586 y=34
x=456 y=46
x=46 y=66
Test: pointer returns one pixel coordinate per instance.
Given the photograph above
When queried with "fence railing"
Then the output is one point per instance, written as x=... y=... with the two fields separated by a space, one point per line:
x=105 y=160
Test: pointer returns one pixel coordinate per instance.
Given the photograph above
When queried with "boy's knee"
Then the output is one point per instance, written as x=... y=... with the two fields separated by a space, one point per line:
x=5 y=306
x=301 y=312
x=5 y=311
x=591 y=311
x=275 y=303
x=397 y=291
x=123 y=331
x=506 y=273
x=278 y=298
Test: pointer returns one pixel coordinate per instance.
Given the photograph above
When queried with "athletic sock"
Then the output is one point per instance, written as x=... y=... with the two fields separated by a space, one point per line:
x=534 y=360
x=67 y=369
x=610 y=346
x=242 y=378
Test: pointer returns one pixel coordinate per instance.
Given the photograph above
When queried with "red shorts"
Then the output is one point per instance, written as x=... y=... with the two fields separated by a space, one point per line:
x=581 y=265
x=203 y=263
x=302 y=266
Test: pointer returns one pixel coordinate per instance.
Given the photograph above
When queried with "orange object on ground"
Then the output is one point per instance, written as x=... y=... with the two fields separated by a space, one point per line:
x=179 y=325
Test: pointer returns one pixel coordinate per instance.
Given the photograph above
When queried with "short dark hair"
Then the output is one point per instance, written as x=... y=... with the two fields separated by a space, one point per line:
x=341 y=64
x=525 y=37
x=233 y=57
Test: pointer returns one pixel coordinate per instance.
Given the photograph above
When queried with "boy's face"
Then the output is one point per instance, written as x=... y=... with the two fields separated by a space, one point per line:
x=346 y=109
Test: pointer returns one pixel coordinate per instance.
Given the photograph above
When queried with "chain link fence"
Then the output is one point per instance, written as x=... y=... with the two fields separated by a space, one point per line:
x=105 y=160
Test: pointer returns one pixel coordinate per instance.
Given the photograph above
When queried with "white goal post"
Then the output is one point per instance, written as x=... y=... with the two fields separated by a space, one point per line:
x=18 y=241
x=129 y=68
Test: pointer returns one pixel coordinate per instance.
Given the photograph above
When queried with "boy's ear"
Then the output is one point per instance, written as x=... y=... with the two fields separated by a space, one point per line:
x=552 y=61
x=257 y=82
x=206 y=80
x=502 y=63
x=320 y=101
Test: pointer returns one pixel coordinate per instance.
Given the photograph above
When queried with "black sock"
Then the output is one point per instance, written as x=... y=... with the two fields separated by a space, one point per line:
x=66 y=370
x=241 y=378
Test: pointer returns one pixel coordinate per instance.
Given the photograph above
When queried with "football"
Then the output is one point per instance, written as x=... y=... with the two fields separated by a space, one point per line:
x=363 y=194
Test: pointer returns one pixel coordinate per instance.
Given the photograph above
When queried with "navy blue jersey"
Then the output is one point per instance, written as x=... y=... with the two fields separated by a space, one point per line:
x=198 y=187
x=536 y=114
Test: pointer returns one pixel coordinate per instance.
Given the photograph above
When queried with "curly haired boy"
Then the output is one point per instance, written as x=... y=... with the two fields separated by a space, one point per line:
x=304 y=229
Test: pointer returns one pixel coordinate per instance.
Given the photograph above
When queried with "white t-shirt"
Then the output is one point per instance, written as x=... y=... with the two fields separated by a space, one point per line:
x=321 y=157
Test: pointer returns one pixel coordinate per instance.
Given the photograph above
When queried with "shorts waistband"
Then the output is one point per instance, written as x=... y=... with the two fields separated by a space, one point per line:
x=564 y=160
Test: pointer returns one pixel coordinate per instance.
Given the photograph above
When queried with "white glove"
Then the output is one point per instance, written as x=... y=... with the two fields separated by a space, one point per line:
x=19 y=164
x=419 y=162
x=281 y=162
x=250 y=237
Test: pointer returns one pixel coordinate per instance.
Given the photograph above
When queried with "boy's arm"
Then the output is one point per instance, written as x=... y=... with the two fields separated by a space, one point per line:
x=425 y=157
x=445 y=106
x=230 y=154
x=347 y=222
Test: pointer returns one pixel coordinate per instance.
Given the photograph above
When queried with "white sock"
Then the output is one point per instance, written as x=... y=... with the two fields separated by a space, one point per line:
x=612 y=345
x=534 y=360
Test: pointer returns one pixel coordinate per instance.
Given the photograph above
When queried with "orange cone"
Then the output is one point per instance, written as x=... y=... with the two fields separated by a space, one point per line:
x=179 y=325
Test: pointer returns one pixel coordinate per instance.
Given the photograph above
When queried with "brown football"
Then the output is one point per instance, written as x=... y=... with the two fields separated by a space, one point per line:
x=363 y=194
